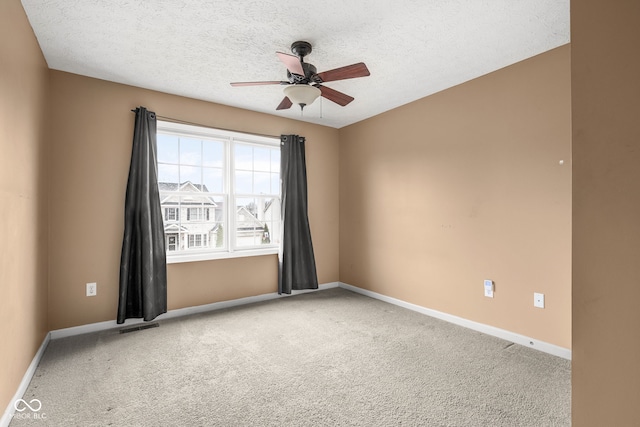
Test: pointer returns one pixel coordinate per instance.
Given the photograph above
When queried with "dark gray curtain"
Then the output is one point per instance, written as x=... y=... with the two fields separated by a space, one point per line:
x=297 y=265
x=143 y=268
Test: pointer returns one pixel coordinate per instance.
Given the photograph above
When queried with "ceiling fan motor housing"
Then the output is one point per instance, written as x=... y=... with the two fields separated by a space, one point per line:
x=309 y=71
x=301 y=48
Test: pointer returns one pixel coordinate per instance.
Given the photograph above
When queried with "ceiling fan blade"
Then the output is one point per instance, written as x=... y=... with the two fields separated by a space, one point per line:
x=275 y=82
x=342 y=73
x=292 y=63
x=335 y=96
x=284 y=104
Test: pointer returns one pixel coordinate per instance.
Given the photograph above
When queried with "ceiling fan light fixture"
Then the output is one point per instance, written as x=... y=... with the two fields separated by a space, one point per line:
x=302 y=94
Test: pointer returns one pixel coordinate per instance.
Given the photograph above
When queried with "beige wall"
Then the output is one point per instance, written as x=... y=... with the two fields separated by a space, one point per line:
x=606 y=212
x=462 y=186
x=23 y=197
x=92 y=128
x=434 y=197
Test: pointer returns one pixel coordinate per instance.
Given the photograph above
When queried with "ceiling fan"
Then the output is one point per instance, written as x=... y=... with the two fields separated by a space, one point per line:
x=304 y=83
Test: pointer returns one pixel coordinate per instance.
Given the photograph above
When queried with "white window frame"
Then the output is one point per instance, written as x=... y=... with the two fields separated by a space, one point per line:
x=229 y=249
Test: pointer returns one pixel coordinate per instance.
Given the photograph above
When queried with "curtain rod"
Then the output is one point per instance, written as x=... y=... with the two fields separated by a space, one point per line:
x=171 y=119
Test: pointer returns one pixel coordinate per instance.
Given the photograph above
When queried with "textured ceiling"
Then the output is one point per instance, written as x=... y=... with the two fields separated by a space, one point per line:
x=195 y=48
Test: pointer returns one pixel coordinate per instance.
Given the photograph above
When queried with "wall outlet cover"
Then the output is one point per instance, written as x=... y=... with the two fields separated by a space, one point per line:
x=92 y=289
x=538 y=300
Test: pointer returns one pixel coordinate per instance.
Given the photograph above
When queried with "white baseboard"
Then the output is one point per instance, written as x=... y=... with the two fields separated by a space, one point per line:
x=26 y=379
x=112 y=324
x=480 y=327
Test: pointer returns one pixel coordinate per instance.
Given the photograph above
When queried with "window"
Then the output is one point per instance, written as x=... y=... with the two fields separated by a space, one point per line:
x=171 y=214
x=196 y=240
x=194 y=214
x=219 y=191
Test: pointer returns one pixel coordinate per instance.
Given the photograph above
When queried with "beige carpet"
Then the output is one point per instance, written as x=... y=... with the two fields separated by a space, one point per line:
x=329 y=358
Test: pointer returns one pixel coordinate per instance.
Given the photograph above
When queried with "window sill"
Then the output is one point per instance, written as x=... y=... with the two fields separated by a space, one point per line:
x=209 y=256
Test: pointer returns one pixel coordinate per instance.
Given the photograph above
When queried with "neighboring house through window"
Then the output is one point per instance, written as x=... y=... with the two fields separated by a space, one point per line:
x=219 y=192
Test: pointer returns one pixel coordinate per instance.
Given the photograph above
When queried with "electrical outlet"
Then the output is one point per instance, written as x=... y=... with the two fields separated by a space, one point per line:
x=92 y=289
x=538 y=300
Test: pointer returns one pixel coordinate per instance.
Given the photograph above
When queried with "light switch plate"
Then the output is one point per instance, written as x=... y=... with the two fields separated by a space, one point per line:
x=488 y=288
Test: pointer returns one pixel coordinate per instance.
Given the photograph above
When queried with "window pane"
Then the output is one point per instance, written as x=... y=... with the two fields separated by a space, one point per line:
x=168 y=174
x=199 y=221
x=243 y=157
x=248 y=227
x=213 y=153
x=261 y=182
x=271 y=218
x=243 y=183
x=246 y=206
x=205 y=226
x=275 y=160
x=257 y=221
x=271 y=234
x=190 y=151
x=167 y=148
x=261 y=159
x=275 y=183
x=191 y=174
x=213 y=180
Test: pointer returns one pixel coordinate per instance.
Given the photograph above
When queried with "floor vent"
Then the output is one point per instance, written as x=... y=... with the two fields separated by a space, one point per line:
x=138 y=328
